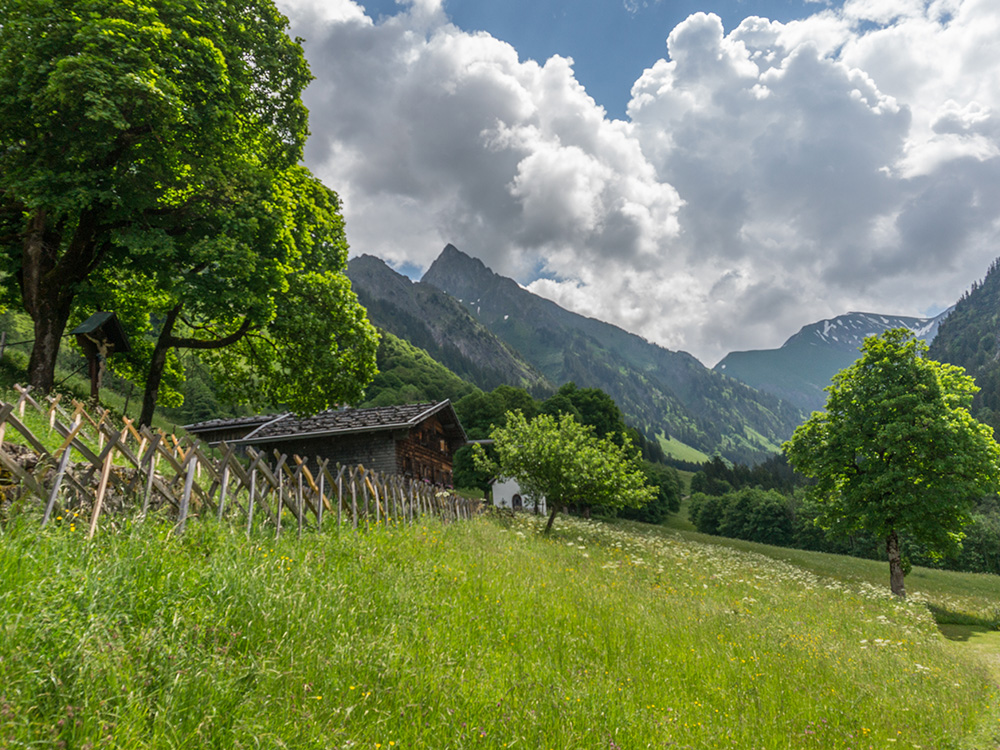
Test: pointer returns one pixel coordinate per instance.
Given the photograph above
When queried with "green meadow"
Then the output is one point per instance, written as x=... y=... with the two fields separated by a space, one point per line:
x=481 y=634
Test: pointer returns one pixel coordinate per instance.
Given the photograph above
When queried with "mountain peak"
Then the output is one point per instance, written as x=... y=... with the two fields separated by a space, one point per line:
x=799 y=371
x=459 y=274
x=375 y=272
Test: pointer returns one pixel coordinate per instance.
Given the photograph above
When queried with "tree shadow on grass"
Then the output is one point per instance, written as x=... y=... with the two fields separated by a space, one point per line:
x=961 y=626
x=963 y=633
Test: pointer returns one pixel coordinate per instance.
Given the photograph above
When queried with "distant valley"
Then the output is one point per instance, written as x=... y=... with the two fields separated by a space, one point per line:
x=486 y=328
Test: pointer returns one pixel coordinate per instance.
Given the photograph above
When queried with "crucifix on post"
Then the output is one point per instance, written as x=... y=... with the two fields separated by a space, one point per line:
x=100 y=336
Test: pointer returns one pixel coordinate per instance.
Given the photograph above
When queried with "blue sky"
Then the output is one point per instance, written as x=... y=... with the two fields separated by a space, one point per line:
x=710 y=175
x=610 y=41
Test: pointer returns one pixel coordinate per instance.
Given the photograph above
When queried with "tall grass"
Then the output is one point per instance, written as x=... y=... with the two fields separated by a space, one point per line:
x=472 y=635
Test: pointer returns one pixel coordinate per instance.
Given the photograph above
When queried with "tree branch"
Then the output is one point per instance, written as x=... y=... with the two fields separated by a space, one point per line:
x=219 y=343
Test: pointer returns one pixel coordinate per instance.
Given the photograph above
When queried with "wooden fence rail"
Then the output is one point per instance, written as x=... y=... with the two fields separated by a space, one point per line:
x=105 y=466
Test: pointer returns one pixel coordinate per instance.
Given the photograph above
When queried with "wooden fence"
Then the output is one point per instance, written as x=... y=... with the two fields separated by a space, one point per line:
x=120 y=468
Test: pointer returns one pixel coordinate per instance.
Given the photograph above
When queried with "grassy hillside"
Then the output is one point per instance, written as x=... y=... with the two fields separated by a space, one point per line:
x=474 y=635
x=953 y=598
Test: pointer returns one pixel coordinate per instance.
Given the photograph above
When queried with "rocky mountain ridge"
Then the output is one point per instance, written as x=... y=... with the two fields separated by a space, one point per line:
x=805 y=364
x=441 y=326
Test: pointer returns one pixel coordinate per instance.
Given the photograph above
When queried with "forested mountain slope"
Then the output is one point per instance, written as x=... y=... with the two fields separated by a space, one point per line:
x=970 y=338
x=408 y=375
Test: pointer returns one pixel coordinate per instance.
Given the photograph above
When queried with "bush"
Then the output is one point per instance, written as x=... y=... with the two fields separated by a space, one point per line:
x=667 y=500
x=752 y=514
x=705 y=512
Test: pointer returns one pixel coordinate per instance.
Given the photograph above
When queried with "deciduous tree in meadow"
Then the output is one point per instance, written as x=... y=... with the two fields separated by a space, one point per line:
x=896 y=451
x=562 y=460
x=148 y=151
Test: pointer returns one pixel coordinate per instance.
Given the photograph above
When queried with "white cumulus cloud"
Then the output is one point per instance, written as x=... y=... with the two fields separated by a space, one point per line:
x=765 y=178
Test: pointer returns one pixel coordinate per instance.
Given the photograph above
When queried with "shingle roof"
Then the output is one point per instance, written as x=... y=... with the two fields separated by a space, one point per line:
x=278 y=427
x=221 y=424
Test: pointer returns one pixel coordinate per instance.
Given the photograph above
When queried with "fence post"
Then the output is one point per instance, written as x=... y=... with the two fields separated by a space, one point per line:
x=354 y=499
x=150 y=471
x=298 y=503
x=281 y=496
x=363 y=474
x=102 y=487
x=224 y=481
x=63 y=461
x=372 y=482
x=186 y=497
x=322 y=499
x=253 y=491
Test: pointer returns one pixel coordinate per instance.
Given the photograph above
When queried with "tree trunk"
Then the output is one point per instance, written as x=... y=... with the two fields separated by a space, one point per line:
x=49 y=276
x=44 y=299
x=50 y=323
x=552 y=517
x=157 y=363
x=895 y=565
x=166 y=341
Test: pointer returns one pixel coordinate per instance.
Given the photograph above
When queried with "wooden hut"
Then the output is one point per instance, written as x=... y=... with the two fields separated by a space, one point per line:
x=416 y=440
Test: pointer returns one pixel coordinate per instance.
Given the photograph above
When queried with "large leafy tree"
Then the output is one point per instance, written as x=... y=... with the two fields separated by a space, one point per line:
x=153 y=144
x=562 y=460
x=896 y=451
x=266 y=305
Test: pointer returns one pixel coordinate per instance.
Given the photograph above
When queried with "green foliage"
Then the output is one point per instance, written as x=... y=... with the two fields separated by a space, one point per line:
x=590 y=406
x=666 y=500
x=481 y=412
x=466 y=474
x=705 y=511
x=152 y=150
x=970 y=337
x=561 y=460
x=716 y=477
x=897 y=450
x=202 y=399
x=710 y=480
x=752 y=514
x=267 y=304
x=131 y=131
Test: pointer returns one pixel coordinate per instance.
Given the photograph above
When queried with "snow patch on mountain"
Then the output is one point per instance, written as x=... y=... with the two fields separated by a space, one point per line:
x=849 y=331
